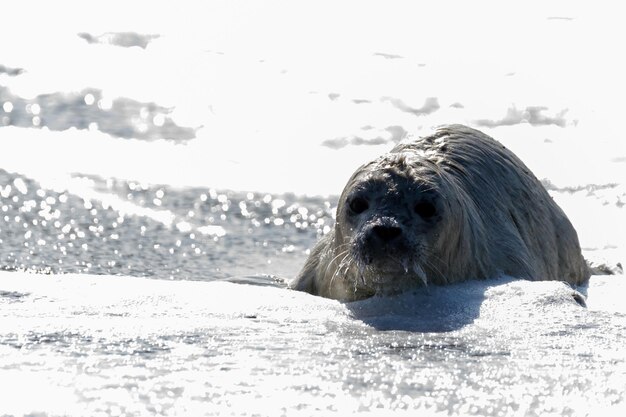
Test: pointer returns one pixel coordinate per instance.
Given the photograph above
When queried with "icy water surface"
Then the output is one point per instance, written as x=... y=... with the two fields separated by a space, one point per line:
x=131 y=346
x=124 y=228
x=165 y=169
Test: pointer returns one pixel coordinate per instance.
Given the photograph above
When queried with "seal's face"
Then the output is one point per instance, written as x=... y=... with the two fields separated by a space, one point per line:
x=388 y=217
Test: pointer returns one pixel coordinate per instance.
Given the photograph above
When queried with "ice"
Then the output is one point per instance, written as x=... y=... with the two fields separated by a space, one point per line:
x=140 y=345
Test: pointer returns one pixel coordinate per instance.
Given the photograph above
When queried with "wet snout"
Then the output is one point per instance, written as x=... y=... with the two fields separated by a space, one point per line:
x=383 y=241
x=386 y=232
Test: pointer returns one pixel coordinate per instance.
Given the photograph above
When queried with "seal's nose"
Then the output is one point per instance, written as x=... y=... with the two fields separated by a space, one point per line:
x=387 y=233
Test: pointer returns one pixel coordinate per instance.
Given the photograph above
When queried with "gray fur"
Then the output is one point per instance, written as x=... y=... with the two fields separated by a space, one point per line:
x=486 y=214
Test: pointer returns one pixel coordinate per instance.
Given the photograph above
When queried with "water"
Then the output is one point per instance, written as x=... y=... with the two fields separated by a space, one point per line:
x=115 y=227
x=165 y=170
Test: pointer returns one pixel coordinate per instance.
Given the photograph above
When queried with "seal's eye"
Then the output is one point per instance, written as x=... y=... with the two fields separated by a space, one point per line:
x=425 y=209
x=358 y=205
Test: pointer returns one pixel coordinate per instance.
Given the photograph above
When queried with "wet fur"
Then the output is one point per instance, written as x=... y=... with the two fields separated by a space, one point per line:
x=493 y=217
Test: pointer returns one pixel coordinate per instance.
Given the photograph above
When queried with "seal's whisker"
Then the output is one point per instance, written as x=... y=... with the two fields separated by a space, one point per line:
x=431 y=265
x=429 y=262
x=404 y=263
x=432 y=255
x=342 y=253
x=419 y=271
x=331 y=263
x=341 y=266
x=428 y=188
x=362 y=279
x=343 y=245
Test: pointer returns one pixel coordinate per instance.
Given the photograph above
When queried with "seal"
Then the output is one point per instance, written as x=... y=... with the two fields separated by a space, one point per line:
x=452 y=206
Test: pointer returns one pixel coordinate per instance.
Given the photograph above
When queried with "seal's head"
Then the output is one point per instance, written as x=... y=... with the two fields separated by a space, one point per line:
x=444 y=208
x=396 y=217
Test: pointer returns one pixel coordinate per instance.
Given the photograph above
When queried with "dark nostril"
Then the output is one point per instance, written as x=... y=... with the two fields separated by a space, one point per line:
x=387 y=233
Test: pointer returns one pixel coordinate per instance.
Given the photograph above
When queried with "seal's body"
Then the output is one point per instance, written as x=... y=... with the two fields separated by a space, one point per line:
x=445 y=208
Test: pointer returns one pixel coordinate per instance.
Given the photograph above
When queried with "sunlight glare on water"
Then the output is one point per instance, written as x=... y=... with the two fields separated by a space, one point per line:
x=165 y=171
